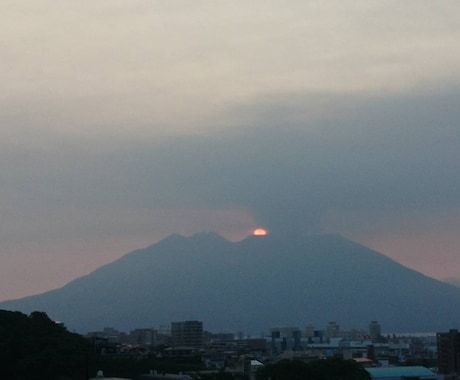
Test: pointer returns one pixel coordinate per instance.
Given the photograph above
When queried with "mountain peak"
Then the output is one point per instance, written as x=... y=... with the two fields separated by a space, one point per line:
x=207 y=235
x=251 y=285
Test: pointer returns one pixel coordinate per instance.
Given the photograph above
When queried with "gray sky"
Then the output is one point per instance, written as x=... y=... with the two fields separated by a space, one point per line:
x=125 y=121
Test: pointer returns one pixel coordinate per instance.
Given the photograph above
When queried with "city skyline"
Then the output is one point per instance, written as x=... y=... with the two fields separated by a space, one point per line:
x=125 y=122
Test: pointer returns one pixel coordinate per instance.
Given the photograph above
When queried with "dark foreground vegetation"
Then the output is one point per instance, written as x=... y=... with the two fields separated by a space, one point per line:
x=33 y=347
x=327 y=369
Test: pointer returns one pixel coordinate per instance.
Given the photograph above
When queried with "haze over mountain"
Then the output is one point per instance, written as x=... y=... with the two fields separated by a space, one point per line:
x=250 y=286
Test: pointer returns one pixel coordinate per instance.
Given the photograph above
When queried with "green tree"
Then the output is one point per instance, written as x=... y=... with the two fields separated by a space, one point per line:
x=35 y=347
x=338 y=369
x=285 y=370
x=327 y=369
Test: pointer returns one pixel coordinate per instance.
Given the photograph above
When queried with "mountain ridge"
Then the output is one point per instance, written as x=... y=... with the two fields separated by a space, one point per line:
x=253 y=284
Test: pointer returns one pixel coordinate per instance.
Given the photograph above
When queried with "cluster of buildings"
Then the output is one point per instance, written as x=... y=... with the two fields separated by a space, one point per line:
x=435 y=356
x=192 y=334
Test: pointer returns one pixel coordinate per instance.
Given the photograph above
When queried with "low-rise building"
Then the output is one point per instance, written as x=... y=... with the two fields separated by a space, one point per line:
x=402 y=373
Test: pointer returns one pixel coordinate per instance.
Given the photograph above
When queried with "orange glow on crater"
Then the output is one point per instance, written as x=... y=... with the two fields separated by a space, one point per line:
x=260 y=232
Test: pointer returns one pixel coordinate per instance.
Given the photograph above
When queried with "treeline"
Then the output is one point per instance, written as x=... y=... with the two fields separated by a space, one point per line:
x=33 y=347
x=326 y=369
x=132 y=367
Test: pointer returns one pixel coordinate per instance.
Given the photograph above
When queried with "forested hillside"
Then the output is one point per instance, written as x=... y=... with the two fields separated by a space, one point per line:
x=35 y=347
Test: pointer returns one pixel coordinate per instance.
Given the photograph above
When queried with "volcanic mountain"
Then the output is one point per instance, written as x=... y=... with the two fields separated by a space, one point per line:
x=250 y=286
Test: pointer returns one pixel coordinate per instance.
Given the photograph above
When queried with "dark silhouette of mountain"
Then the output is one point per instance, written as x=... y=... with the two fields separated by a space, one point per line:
x=250 y=286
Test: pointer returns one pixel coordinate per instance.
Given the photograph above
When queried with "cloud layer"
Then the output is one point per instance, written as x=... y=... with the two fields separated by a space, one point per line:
x=132 y=120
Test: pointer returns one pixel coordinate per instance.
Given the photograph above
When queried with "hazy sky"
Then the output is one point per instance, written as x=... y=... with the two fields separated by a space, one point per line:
x=123 y=121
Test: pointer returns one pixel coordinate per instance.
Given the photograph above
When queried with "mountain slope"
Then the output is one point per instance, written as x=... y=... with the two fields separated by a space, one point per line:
x=250 y=286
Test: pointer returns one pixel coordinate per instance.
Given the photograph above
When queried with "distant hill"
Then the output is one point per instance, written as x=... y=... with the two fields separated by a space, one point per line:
x=250 y=286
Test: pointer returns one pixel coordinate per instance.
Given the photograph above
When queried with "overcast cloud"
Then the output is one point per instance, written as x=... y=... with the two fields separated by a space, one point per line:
x=125 y=121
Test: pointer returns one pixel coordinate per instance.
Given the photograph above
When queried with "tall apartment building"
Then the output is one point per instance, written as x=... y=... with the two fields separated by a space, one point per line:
x=332 y=330
x=145 y=337
x=375 y=331
x=187 y=333
x=285 y=338
x=448 y=352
